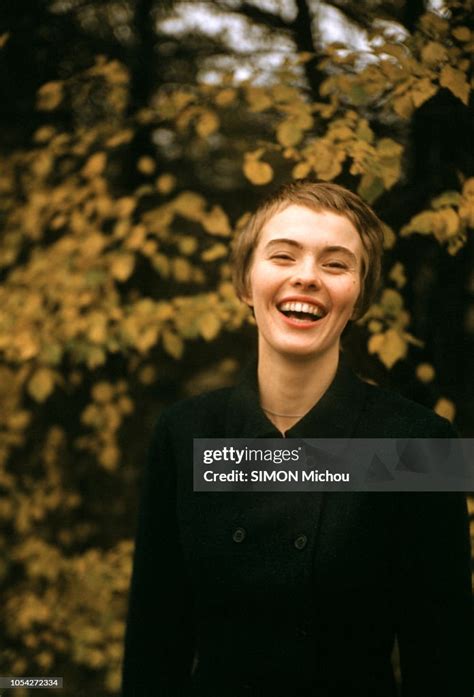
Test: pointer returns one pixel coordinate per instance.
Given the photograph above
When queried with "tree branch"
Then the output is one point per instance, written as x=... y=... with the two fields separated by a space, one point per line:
x=144 y=60
x=303 y=36
x=411 y=13
x=263 y=17
x=357 y=15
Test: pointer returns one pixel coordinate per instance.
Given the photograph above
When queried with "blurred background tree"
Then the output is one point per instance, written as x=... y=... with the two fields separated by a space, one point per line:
x=135 y=137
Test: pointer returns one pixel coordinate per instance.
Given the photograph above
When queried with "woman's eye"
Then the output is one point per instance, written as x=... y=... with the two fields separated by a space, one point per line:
x=336 y=265
x=282 y=256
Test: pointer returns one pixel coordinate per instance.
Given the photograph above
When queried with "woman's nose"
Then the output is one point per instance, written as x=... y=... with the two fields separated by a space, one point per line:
x=306 y=274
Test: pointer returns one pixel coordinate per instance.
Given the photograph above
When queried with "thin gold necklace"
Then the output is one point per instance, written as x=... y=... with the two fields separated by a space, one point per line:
x=285 y=416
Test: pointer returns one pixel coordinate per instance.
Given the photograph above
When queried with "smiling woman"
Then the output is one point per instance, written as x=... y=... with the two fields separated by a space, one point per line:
x=268 y=594
x=308 y=262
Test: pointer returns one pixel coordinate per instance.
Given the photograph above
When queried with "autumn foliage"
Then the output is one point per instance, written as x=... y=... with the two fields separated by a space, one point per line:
x=104 y=283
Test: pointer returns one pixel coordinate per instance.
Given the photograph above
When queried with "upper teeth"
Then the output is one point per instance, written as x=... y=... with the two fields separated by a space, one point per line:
x=301 y=307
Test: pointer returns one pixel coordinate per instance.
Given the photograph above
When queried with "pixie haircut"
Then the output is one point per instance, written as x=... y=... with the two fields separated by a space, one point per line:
x=319 y=197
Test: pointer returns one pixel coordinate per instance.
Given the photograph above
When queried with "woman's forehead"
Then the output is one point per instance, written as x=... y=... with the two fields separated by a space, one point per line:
x=308 y=226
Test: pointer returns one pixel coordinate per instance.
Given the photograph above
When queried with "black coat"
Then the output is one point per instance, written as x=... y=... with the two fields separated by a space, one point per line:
x=308 y=597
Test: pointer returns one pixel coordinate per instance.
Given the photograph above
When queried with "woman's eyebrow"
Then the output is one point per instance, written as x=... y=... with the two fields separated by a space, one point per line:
x=283 y=240
x=330 y=249
x=342 y=250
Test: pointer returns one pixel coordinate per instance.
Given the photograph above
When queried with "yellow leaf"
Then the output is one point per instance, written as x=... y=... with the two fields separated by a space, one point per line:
x=301 y=170
x=146 y=165
x=161 y=263
x=182 y=269
x=182 y=99
x=304 y=57
x=125 y=206
x=466 y=208
x=45 y=659
x=173 y=344
x=41 y=384
x=422 y=223
x=190 y=205
x=102 y=392
x=468 y=188
x=433 y=53
x=386 y=147
x=147 y=339
x=19 y=420
x=397 y=274
x=390 y=347
x=209 y=326
x=136 y=238
x=364 y=132
x=109 y=457
x=257 y=172
x=50 y=96
x=122 y=266
x=425 y=372
x=258 y=98
x=461 y=34
x=284 y=93
x=225 y=97
x=44 y=134
x=97 y=330
x=207 y=124
x=166 y=183
x=288 y=133
x=26 y=345
x=216 y=222
x=327 y=159
x=120 y=138
x=392 y=302
x=375 y=326
x=95 y=356
x=448 y=225
x=403 y=105
x=217 y=251
x=147 y=374
x=340 y=131
x=3 y=39
x=466 y=213
x=444 y=407
x=397 y=51
x=95 y=165
x=447 y=198
x=455 y=81
x=187 y=245
x=422 y=90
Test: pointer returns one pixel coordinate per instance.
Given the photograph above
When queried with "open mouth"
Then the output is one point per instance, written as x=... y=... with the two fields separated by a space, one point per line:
x=303 y=312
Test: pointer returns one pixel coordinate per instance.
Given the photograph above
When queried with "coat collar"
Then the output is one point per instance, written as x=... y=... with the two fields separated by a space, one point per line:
x=334 y=416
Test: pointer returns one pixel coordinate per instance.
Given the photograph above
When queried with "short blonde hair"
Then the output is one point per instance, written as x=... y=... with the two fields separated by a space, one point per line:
x=318 y=196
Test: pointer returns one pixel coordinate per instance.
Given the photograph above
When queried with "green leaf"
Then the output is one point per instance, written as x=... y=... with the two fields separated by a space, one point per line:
x=370 y=187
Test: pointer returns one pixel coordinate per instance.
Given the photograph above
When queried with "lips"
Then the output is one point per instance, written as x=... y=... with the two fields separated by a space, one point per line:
x=301 y=310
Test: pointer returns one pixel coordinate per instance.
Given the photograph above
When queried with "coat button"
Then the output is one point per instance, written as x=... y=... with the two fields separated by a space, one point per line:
x=301 y=542
x=239 y=535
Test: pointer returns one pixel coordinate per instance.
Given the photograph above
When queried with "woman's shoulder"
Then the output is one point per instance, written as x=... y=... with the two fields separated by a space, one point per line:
x=393 y=416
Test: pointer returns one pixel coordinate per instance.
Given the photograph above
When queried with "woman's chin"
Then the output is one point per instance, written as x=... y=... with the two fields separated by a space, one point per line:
x=299 y=350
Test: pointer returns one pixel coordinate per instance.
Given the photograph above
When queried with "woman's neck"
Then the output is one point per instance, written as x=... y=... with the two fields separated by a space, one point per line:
x=290 y=387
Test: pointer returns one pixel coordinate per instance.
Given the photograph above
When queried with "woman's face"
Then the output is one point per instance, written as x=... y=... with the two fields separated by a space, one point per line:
x=304 y=281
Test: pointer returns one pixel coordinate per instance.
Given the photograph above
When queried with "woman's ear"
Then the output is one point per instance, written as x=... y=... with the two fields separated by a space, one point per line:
x=246 y=297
